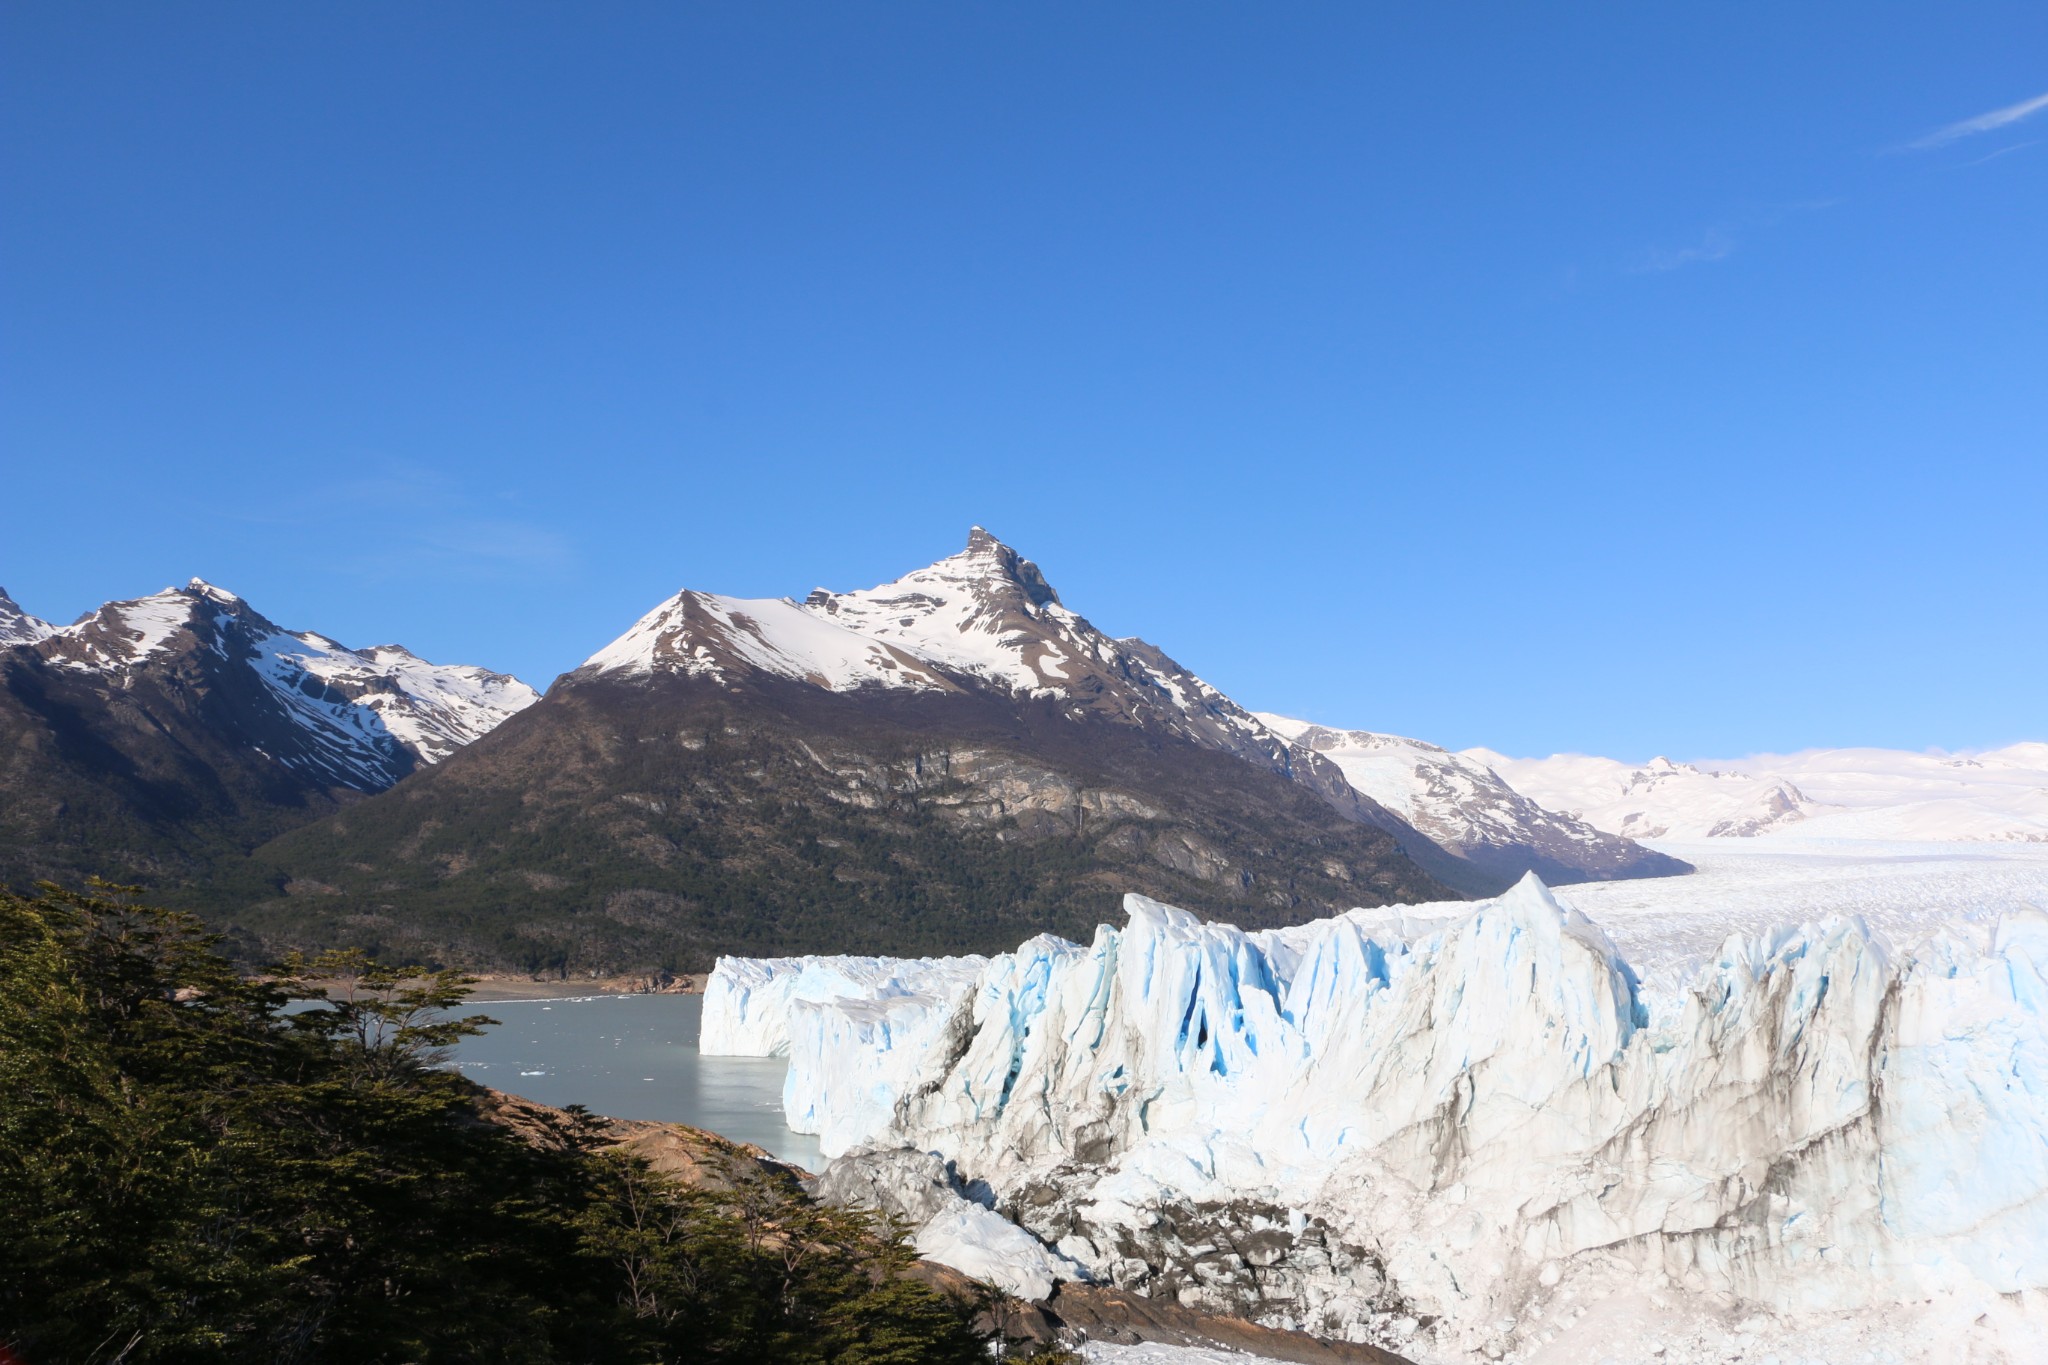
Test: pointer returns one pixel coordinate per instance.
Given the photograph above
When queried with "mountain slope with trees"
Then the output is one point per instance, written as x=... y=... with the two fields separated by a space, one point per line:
x=628 y=822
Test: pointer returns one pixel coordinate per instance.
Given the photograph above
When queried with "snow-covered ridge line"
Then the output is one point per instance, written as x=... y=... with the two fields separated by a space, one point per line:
x=984 y=617
x=360 y=718
x=1449 y=1111
x=1886 y=794
x=985 y=622
x=1467 y=808
x=17 y=627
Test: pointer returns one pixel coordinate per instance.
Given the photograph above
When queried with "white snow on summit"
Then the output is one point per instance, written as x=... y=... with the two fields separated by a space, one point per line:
x=1887 y=794
x=354 y=711
x=1659 y=800
x=984 y=612
x=701 y=634
x=123 y=633
x=432 y=709
x=983 y=618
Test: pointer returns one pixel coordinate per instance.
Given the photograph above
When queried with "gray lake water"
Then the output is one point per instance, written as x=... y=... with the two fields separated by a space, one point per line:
x=632 y=1057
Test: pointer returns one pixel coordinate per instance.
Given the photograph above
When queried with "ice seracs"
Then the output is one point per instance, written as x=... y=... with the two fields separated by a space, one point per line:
x=849 y=1026
x=1442 y=1114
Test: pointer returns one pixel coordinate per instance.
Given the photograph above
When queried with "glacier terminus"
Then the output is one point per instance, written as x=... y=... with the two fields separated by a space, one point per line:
x=1447 y=1128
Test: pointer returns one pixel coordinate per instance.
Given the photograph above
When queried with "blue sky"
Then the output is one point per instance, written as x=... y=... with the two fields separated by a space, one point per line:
x=1624 y=379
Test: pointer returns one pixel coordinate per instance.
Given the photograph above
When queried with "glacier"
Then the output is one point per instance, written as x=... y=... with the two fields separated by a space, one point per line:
x=847 y=1025
x=1425 y=1125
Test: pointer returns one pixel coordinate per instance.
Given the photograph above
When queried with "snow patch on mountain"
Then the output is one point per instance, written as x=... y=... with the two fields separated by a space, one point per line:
x=1474 y=1115
x=986 y=612
x=124 y=633
x=1466 y=807
x=359 y=718
x=983 y=619
x=1887 y=794
x=17 y=627
x=431 y=709
x=701 y=634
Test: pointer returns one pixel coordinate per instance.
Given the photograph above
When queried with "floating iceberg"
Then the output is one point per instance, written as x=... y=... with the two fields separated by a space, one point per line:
x=1436 y=1115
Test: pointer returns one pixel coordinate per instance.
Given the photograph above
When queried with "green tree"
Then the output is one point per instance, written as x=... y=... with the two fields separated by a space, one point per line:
x=202 y=1167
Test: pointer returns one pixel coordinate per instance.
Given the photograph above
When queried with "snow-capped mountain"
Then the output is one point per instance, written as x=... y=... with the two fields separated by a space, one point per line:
x=359 y=719
x=943 y=761
x=1466 y=807
x=935 y=762
x=1659 y=800
x=984 y=618
x=156 y=737
x=17 y=627
x=2001 y=794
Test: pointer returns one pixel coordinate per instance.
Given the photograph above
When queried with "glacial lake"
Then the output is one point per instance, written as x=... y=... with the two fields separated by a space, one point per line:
x=632 y=1057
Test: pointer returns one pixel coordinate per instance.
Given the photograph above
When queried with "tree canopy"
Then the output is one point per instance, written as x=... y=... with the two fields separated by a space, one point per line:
x=197 y=1171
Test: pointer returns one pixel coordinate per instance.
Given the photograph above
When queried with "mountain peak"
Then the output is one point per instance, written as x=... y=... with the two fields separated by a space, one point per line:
x=17 y=627
x=211 y=592
x=988 y=558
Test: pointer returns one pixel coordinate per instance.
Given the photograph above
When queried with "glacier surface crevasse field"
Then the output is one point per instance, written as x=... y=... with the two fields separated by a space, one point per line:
x=1472 y=1131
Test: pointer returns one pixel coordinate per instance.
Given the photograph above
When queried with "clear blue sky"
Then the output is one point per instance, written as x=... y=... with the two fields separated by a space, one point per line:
x=1615 y=378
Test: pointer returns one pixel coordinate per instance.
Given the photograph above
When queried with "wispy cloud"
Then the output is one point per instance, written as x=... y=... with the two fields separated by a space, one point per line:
x=489 y=548
x=1718 y=243
x=397 y=519
x=1993 y=156
x=1713 y=245
x=1983 y=123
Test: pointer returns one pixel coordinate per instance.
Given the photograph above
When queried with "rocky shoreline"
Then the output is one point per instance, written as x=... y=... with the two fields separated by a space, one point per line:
x=663 y=982
x=1071 y=1312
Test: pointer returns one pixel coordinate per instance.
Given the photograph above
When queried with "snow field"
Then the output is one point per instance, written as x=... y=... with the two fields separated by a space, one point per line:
x=1669 y=927
x=1997 y=794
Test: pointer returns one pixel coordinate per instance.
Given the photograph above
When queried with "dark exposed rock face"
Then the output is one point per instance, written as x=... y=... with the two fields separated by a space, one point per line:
x=1242 y=1276
x=1245 y=1258
x=152 y=775
x=673 y=818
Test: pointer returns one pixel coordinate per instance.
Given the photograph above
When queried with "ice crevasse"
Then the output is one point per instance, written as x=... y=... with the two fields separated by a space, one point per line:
x=1430 y=1115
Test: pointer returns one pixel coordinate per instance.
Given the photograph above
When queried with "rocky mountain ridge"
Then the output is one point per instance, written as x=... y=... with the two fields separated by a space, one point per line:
x=987 y=619
x=17 y=627
x=158 y=733
x=1468 y=809
x=364 y=718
